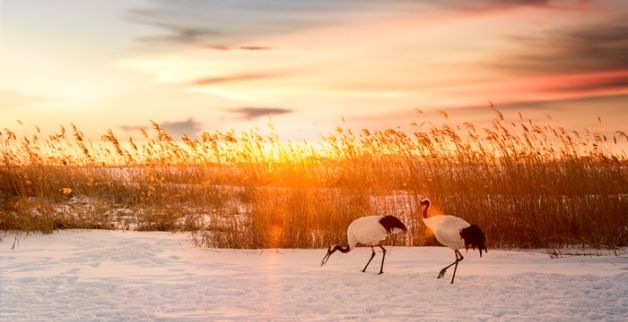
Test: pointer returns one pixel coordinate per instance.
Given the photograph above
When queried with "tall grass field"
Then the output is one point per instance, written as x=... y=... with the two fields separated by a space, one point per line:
x=525 y=184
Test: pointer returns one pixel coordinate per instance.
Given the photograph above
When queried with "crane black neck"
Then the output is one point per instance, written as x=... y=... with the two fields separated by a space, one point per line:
x=341 y=249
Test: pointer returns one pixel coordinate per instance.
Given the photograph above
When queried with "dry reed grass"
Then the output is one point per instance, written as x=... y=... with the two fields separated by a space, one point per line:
x=526 y=184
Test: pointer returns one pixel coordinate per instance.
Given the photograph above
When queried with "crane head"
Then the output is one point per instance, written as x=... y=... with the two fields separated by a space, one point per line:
x=332 y=249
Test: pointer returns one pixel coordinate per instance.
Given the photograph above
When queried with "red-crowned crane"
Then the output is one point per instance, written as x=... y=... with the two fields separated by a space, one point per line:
x=454 y=233
x=369 y=231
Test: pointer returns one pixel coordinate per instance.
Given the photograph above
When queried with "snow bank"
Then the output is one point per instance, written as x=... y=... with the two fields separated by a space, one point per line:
x=148 y=276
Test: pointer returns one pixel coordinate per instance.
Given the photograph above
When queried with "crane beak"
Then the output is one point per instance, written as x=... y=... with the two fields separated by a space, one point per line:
x=324 y=261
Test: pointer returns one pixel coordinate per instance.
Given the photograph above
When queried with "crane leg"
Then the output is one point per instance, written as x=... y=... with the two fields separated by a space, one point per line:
x=442 y=271
x=459 y=258
x=370 y=259
x=381 y=269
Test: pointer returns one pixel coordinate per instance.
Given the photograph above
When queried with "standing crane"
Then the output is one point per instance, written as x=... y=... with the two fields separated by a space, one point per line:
x=455 y=233
x=369 y=231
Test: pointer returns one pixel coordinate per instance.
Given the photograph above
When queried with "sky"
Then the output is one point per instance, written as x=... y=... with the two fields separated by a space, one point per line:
x=310 y=66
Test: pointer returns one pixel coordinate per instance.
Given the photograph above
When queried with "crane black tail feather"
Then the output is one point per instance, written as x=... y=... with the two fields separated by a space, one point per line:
x=474 y=237
x=392 y=222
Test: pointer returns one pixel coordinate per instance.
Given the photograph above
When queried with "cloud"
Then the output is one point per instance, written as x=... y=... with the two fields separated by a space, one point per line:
x=180 y=34
x=189 y=127
x=254 y=48
x=522 y=2
x=245 y=77
x=497 y=4
x=11 y=98
x=612 y=103
x=132 y=128
x=596 y=47
x=224 y=25
x=180 y=19
x=619 y=82
x=246 y=113
x=480 y=6
x=247 y=48
x=214 y=23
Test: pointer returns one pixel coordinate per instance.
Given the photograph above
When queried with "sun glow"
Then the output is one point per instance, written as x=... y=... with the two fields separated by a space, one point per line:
x=74 y=92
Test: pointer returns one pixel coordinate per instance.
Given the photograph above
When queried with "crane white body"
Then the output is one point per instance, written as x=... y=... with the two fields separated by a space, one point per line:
x=447 y=229
x=453 y=232
x=369 y=231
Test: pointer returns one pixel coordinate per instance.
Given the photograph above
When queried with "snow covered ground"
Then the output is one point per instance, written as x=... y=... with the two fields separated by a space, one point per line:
x=153 y=276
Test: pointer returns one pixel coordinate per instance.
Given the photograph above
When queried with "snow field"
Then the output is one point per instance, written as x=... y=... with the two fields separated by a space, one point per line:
x=154 y=276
